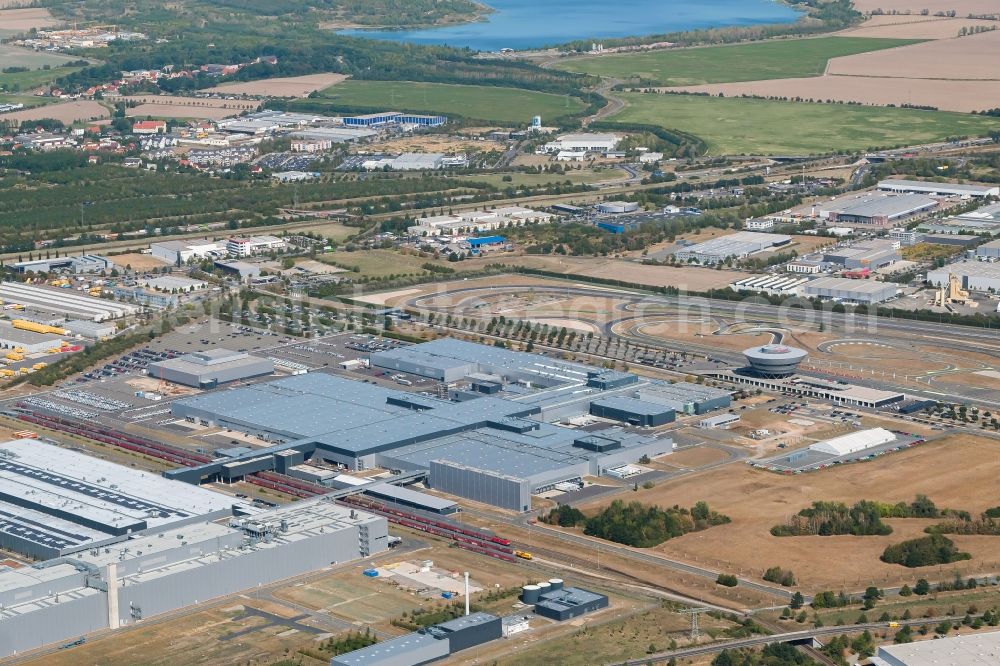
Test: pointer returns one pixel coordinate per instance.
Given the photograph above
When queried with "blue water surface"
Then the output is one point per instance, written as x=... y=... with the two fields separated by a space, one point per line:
x=529 y=24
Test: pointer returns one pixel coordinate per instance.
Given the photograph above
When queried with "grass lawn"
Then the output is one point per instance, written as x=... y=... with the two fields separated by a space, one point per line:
x=736 y=125
x=480 y=102
x=775 y=59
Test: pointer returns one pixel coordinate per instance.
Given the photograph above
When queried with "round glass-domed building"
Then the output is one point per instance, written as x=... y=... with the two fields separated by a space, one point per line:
x=774 y=360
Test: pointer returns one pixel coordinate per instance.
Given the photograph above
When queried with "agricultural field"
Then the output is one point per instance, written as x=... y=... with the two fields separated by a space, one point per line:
x=495 y=104
x=961 y=7
x=67 y=112
x=946 y=95
x=166 y=106
x=15 y=19
x=771 y=127
x=295 y=86
x=774 y=59
x=970 y=58
x=32 y=79
x=15 y=56
x=914 y=27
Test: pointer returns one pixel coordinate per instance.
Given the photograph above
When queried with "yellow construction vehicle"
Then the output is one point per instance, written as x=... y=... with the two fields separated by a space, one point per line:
x=7 y=373
x=523 y=554
x=40 y=365
x=14 y=356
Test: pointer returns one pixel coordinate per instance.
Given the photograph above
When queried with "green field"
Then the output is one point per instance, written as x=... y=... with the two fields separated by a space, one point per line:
x=776 y=59
x=480 y=102
x=25 y=81
x=734 y=125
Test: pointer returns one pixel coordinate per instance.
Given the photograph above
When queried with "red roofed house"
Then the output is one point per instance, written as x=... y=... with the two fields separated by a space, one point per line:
x=150 y=127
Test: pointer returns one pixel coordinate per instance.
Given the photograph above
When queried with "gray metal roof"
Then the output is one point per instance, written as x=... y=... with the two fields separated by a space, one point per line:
x=631 y=405
x=889 y=206
x=924 y=186
x=399 y=493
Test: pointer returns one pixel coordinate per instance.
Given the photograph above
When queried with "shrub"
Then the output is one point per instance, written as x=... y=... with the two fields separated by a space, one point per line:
x=727 y=580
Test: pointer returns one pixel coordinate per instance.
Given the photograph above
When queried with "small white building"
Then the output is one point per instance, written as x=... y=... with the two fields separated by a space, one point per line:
x=247 y=247
x=719 y=421
x=759 y=224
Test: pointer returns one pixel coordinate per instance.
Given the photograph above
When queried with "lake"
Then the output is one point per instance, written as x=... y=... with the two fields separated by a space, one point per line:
x=529 y=24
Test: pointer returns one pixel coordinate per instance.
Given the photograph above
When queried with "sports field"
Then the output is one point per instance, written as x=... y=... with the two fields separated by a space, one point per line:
x=481 y=102
x=752 y=126
x=775 y=59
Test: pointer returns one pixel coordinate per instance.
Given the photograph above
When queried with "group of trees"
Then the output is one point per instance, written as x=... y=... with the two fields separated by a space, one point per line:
x=925 y=551
x=644 y=526
x=864 y=518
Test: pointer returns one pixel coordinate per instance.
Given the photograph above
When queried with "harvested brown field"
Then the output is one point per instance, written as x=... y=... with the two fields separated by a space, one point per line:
x=67 y=112
x=965 y=58
x=948 y=72
x=757 y=500
x=914 y=27
x=960 y=96
x=960 y=7
x=295 y=86
x=164 y=106
x=22 y=20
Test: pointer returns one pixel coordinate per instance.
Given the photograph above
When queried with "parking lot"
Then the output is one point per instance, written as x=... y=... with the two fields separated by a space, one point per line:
x=285 y=161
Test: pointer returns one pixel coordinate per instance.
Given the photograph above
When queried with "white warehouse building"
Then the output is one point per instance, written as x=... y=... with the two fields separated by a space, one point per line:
x=585 y=142
x=854 y=442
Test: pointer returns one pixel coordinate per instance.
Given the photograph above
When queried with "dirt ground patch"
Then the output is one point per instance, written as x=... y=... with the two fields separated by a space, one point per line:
x=696 y=457
x=67 y=112
x=197 y=638
x=701 y=333
x=687 y=278
x=139 y=262
x=914 y=27
x=966 y=58
x=569 y=324
x=435 y=144
x=758 y=500
x=961 y=7
x=295 y=86
x=22 y=20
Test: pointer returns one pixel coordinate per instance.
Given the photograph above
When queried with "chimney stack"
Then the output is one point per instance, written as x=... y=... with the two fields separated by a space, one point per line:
x=466 y=592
